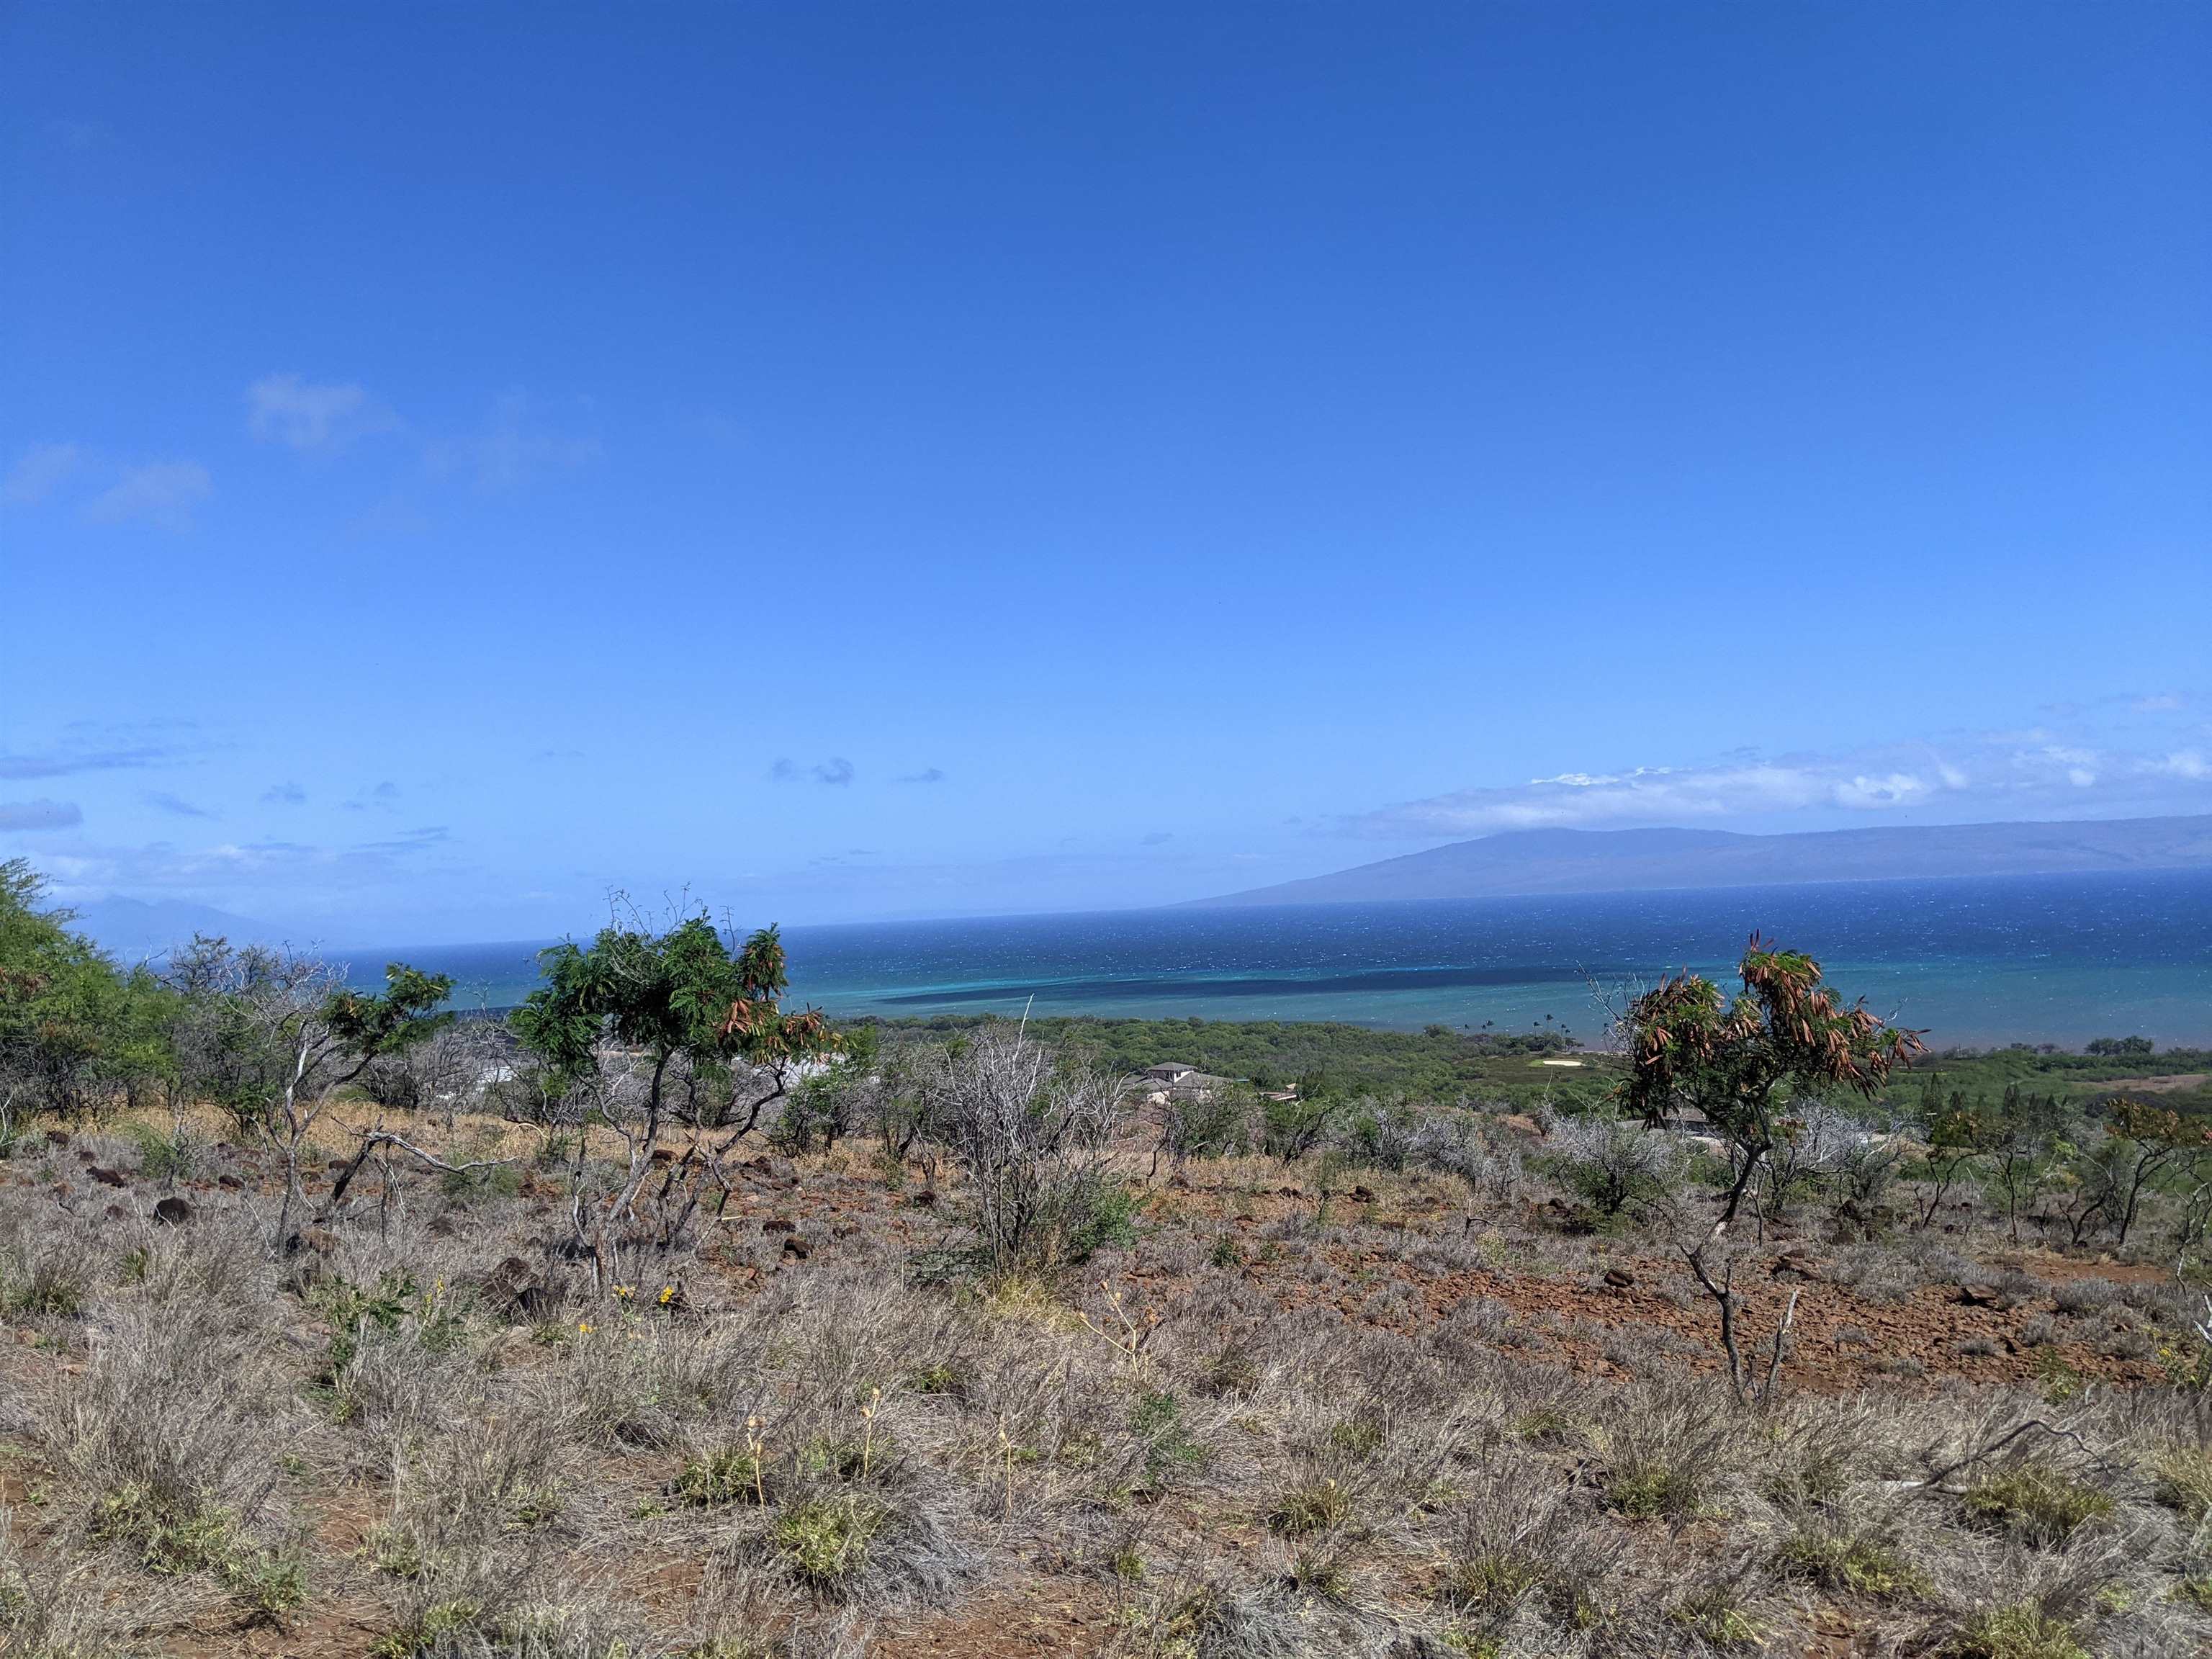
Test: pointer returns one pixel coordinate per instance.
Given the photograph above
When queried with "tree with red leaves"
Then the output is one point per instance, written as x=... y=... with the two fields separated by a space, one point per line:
x=1740 y=1060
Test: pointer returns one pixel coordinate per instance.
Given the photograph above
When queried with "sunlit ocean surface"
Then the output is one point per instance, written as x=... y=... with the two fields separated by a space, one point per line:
x=2056 y=958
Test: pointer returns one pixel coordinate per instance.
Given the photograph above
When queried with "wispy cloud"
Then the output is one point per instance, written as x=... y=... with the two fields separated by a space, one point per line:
x=411 y=841
x=928 y=775
x=69 y=759
x=2008 y=775
x=160 y=493
x=836 y=771
x=40 y=470
x=23 y=816
x=239 y=873
x=108 y=490
x=380 y=797
x=303 y=414
x=284 y=794
x=514 y=446
x=176 y=805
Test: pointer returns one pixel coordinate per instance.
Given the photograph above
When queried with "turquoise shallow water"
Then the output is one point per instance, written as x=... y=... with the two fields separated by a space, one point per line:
x=2057 y=959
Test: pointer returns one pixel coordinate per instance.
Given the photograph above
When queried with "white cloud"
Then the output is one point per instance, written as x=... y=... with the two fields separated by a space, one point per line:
x=2187 y=763
x=2001 y=776
x=512 y=447
x=160 y=493
x=288 y=409
x=40 y=470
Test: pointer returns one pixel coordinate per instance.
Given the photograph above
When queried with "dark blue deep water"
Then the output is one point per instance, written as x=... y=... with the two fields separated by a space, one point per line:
x=2050 y=959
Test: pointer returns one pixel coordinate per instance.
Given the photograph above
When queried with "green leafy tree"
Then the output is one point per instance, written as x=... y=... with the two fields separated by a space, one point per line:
x=1740 y=1060
x=652 y=1031
x=75 y=1029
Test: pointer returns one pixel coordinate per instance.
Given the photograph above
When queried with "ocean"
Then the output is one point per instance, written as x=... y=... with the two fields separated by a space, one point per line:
x=1974 y=961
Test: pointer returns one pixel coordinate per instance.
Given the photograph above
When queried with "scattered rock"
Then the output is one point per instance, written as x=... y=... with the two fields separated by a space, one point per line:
x=796 y=1248
x=777 y=1223
x=173 y=1211
x=1363 y=1195
x=106 y=1178
x=513 y=1290
x=115 y=1212
x=1980 y=1296
x=1619 y=1277
x=1290 y=1191
x=230 y=1181
x=926 y=1197
x=845 y=1229
x=1795 y=1264
x=57 y=1138
x=311 y=1238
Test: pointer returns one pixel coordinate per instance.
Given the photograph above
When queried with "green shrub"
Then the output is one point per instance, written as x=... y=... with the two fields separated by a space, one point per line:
x=2024 y=1632
x=171 y=1538
x=2183 y=1481
x=823 y=1541
x=1104 y=1217
x=730 y=1475
x=162 y=1158
x=1213 y=1123
x=1855 y=1562
x=1488 y=1583
x=1716 y=1614
x=1643 y=1487
x=1357 y=1438
x=436 y=1628
x=2036 y=1501
x=1315 y=1506
x=1155 y=1417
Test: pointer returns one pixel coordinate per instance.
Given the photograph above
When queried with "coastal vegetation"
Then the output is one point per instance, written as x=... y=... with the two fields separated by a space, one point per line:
x=667 y=1320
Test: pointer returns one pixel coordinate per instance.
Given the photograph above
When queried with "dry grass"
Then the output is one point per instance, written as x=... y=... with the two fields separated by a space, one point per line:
x=1424 y=1420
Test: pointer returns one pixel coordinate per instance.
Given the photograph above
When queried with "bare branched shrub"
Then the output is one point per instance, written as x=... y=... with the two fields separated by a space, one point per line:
x=1454 y=1143
x=1029 y=1130
x=1615 y=1163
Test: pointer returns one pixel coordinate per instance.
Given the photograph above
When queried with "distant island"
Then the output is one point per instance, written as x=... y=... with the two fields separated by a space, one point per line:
x=1540 y=861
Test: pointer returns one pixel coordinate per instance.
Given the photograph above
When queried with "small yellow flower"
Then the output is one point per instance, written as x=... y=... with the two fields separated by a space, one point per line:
x=667 y=1294
x=583 y=1327
x=623 y=1292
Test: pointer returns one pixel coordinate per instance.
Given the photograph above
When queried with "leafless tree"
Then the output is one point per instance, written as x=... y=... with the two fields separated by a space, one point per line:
x=1713 y=1264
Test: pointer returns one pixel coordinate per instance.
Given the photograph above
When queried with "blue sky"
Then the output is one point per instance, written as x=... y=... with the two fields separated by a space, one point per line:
x=866 y=461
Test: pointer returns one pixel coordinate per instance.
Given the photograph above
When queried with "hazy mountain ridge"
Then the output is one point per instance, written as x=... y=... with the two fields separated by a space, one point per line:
x=1538 y=861
x=133 y=929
